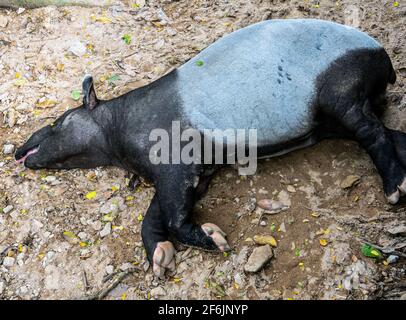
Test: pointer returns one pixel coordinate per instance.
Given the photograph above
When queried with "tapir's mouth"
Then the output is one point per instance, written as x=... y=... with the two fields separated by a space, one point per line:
x=27 y=153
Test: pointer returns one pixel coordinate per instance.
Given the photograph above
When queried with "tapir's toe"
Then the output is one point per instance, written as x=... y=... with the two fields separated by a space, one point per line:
x=402 y=186
x=217 y=235
x=393 y=198
x=163 y=259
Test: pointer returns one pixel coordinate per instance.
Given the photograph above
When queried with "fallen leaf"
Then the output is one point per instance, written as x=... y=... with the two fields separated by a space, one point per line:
x=76 y=94
x=91 y=195
x=265 y=240
x=323 y=242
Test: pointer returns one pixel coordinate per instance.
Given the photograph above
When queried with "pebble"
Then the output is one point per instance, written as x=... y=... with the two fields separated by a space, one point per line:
x=3 y=21
x=258 y=258
x=263 y=223
x=398 y=230
x=158 y=291
x=8 y=261
x=291 y=189
x=77 y=48
x=106 y=230
x=392 y=259
x=272 y=206
x=8 y=209
x=8 y=148
x=109 y=269
x=1 y=287
x=350 y=181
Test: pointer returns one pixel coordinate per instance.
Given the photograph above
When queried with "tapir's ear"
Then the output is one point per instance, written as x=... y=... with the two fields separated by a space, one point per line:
x=90 y=100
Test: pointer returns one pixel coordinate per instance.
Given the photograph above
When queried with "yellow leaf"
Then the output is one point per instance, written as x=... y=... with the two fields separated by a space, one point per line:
x=91 y=195
x=19 y=82
x=124 y=296
x=117 y=227
x=46 y=103
x=102 y=19
x=306 y=220
x=315 y=214
x=177 y=279
x=129 y=198
x=396 y=4
x=69 y=234
x=323 y=242
x=266 y=240
x=20 y=248
x=83 y=244
x=114 y=188
x=60 y=66
x=140 y=217
x=107 y=217
x=17 y=75
x=236 y=285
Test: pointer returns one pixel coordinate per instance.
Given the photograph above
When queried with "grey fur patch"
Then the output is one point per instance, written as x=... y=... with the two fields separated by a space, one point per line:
x=263 y=76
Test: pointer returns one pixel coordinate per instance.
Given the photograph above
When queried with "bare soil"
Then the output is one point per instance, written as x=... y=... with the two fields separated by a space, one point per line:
x=53 y=230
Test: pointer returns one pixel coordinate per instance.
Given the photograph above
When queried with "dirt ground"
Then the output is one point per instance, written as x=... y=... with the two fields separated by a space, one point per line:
x=50 y=242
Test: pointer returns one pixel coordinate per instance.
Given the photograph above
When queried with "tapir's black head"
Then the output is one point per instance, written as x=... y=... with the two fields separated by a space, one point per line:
x=74 y=140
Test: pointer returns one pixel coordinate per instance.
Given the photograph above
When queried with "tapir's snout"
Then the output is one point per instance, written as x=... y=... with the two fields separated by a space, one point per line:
x=25 y=154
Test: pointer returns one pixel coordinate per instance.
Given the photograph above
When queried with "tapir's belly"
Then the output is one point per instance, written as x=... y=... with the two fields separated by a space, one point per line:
x=264 y=77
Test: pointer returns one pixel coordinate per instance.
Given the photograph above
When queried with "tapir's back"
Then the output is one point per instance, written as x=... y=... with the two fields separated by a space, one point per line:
x=264 y=77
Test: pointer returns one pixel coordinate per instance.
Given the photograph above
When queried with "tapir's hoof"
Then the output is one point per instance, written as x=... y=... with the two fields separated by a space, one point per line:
x=218 y=236
x=394 y=197
x=163 y=259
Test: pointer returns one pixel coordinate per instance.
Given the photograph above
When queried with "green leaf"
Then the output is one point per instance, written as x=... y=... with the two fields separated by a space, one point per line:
x=113 y=78
x=76 y=94
x=126 y=38
x=199 y=63
x=370 y=252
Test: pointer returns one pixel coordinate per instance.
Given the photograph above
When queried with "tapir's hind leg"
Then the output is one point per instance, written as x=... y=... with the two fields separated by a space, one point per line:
x=399 y=140
x=369 y=131
x=345 y=93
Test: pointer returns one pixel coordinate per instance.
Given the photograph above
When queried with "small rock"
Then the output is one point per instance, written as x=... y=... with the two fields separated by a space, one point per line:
x=3 y=21
x=350 y=181
x=402 y=297
x=106 y=230
x=263 y=223
x=8 y=261
x=8 y=209
x=158 y=292
x=109 y=269
x=398 y=230
x=258 y=259
x=1 y=287
x=77 y=48
x=392 y=259
x=282 y=227
x=271 y=206
x=50 y=179
x=8 y=148
x=291 y=189
x=171 y=32
x=125 y=266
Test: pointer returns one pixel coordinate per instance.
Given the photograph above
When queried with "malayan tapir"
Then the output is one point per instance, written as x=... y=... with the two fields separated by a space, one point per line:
x=296 y=81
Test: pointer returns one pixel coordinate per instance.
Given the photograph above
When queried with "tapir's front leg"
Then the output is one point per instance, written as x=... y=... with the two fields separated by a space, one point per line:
x=177 y=195
x=160 y=251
